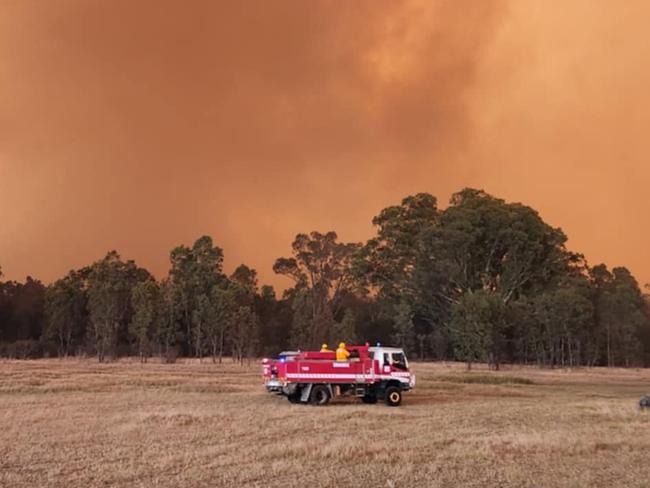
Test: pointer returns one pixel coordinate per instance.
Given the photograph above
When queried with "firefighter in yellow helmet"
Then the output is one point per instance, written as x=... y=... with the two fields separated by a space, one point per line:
x=342 y=354
x=324 y=348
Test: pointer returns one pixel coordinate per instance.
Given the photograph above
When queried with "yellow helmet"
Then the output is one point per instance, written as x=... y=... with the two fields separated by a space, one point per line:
x=342 y=345
x=324 y=346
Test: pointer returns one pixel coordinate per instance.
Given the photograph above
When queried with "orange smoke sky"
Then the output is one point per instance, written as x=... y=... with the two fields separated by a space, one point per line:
x=140 y=125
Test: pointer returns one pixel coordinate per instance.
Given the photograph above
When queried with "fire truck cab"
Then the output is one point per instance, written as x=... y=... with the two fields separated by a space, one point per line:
x=371 y=374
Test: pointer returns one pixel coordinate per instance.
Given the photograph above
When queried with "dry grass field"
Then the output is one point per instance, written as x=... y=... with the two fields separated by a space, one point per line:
x=79 y=423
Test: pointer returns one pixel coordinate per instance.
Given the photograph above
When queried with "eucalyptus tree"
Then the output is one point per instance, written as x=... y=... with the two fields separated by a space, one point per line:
x=323 y=272
x=145 y=298
x=194 y=272
x=404 y=334
x=388 y=264
x=345 y=330
x=65 y=312
x=243 y=334
x=483 y=243
x=478 y=326
x=110 y=284
x=275 y=317
x=388 y=260
x=562 y=321
x=221 y=307
x=166 y=333
x=244 y=328
x=498 y=251
x=621 y=315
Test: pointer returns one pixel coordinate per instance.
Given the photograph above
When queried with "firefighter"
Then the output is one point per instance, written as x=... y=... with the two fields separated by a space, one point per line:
x=342 y=354
x=324 y=348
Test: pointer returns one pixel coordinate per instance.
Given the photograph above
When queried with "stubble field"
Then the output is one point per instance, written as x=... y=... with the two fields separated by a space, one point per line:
x=79 y=423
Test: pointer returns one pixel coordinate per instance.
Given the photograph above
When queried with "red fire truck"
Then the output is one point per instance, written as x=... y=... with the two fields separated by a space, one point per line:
x=371 y=374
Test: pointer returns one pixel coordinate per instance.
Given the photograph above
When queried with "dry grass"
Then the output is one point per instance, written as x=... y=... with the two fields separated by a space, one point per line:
x=78 y=423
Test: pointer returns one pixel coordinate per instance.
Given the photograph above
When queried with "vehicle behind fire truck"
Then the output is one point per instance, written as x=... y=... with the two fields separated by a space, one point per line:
x=371 y=374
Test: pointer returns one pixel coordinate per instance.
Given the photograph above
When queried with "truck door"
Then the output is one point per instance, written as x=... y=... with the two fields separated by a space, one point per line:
x=393 y=362
x=386 y=363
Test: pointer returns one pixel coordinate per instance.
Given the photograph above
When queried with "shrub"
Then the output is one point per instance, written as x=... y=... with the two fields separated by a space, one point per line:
x=171 y=354
x=27 y=349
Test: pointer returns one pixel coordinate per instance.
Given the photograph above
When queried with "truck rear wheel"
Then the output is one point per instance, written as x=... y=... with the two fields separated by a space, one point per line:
x=393 y=396
x=369 y=399
x=320 y=395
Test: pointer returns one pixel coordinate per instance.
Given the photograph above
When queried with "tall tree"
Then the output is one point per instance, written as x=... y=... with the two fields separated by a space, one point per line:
x=478 y=326
x=194 y=271
x=166 y=331
x=404 y=329
x=346 y=329
x=562 y=320
x=620 y=315
x=274 y=319
x=300 y=335
x=27 y=309
x=322 y=268
x=247 y=278
x=645 y=330
x=145 y=298
x=109 y=300
x=222 y=314
x=245 y=324
x=244 y=334
x=388 y=260
x=484 y=243
x=65 y=311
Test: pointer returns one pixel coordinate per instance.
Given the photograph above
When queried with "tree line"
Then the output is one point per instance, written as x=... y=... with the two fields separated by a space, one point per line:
x=481 y=280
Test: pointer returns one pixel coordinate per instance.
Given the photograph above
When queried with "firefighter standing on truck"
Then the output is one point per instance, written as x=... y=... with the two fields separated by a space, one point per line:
x=324 y=348
x=342 y=354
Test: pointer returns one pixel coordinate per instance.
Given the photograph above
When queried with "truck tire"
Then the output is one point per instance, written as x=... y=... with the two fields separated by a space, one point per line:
x=393 y=396
x=294 y=397
x=320 y=395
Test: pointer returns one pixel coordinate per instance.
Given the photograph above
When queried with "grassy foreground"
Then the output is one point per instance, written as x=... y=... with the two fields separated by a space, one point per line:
x=79 y=423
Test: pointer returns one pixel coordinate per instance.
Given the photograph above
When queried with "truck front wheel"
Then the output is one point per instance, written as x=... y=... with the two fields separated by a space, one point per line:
x=320 y=395
x=393 y=396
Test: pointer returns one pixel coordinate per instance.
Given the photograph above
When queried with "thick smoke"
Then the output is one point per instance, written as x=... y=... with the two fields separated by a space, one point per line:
x=141 y=125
